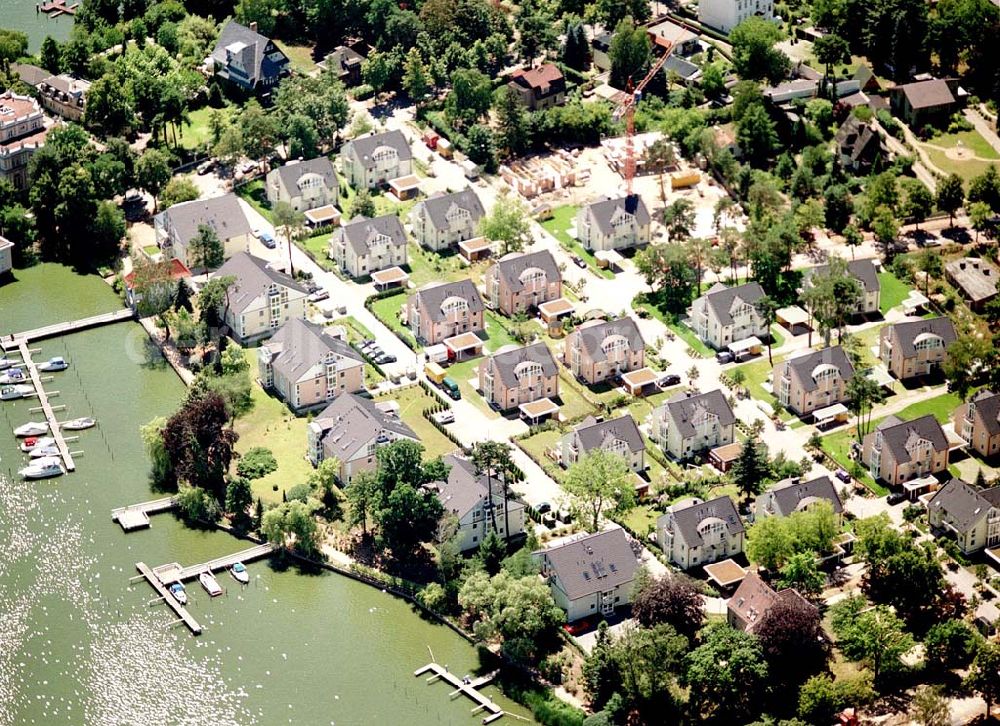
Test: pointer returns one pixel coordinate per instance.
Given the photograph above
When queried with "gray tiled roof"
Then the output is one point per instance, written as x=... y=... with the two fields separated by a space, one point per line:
x=802 y=366
x=223 y=214
x=964 y=503
x=365 y=146
x=593 y=434
x=603 y=212
x=341 y=58
x=436 y=207
x=791 y=495
x=351 y=421
x=683 y=68
x=988 y=410
x=720 y=298
x=512 y=266
x=32 y=75
x=360 y=232
x=291 y=172
x=506 y=362
x=300 y=345
x=688 y=515
x=976 y=276
x=896 y=434
x=904 y=333
x=926 y=94
x=594 y=333
x=862 y=270
x=431 y=297
x=595 y=563
x=253 y=277
x=465 y=489
x=253 y=55
x=684 y=409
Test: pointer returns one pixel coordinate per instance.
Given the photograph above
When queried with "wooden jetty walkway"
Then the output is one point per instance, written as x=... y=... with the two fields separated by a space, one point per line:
x=468 y=689
x=182 y=612
x=70 y=326
x=56 y=8
x=173 y=572
x=136 y=516
x=45 y=406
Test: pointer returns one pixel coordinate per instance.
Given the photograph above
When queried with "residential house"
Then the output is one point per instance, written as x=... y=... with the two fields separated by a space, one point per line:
x=372 y=161
x=600 y=47
x=176 y=226
x=304 y=185
x=260 y=300
x=725 y=15
x=967 y=514
x=443 y=310
x=478 y=503
x=924 y=103
x=613 y=224
x=22 y=132
x=592 y=575
x=754 y=599
x=29 y=74
x=867 y=79
x=363 y=246
x=669 y=34
x=916 y=347
x=694 y=532
x=599 y=350
x=978 y=422
x=618 y=435
x=682 y=70
x=976 y=277
x=308 y=367
x=519 y=282
x=539 y=88
x=865 y=272
x=794 y=495
x=443 y=220
x=511 y=378
x=860 y=145
x=6 y=255
x=898 y=451
x=351 y=429
x=345 y=62
x=166 y=286
x=64 y=95
x=690 y=423
x=812 y=381
x=727 y=315
x=247 y=60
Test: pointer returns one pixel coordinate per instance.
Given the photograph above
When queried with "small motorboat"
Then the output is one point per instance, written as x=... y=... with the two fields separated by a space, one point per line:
x=11 y=393
x=240 y=573
x=6 y=363
x=14 y=375
x=180 y=595
x=44 y=468
x=32 y=428
x=35 y=442
x=211 y=585
x=79 y=424
x=54 y=365
x=42 y=451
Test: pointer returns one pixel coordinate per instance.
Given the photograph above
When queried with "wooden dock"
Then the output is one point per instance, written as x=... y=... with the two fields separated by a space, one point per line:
x=70 y=326
x=57 y=7
x=467 y=689
x=136 y=516
x=182 y=613
x=173 y=572
x=46 y=407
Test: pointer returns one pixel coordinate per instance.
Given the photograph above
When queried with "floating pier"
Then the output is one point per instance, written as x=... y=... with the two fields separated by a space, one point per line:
x=467 y=689
x=182 y=613
x=173 y=572
x=45 y=406
x=136 y=516
x=70 y=326
x=55 y=8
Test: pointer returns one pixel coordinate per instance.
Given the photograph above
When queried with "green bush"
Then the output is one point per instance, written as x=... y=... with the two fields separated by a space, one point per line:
x=256 y=463
x=299 y=492
x=362 y=92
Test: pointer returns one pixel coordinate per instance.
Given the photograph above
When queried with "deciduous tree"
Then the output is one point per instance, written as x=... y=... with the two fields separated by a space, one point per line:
x=726 y=675
x=508 y=223
x=674 y=599
x=599 y=481
x=950 y=196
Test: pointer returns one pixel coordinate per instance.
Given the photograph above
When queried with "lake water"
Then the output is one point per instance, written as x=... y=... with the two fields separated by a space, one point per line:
x=80 y=645
x=21 y=15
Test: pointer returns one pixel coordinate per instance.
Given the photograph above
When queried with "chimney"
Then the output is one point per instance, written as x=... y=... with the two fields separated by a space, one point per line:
x=253 y=26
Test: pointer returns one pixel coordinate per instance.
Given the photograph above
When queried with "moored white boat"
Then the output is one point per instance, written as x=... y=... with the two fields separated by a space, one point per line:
x=79 y=424
x=11 y=393
x=54 y=364
x=35 y=442
x=44 y=468
x=44 y=451
x=13 y=376
x=6 y=363
x=211 y=585
x=32 y=428
x=240 y=573
x=177 y=590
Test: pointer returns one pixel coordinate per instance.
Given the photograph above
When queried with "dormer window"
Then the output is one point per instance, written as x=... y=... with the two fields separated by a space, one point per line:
x=532 y=279
x=454 y=308
x=528 y=374
x=615 y=347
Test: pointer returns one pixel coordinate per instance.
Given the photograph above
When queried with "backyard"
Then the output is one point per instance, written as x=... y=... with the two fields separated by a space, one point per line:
x=197 y=132
x=387 y=310
x=412 y=403
x=965 y=153
x=318 y=247
x=255 y=195
x=641 y=302
x=756 y=375
x=300 y=56
x=559 y=226
x=893 y=291
x=426 y=266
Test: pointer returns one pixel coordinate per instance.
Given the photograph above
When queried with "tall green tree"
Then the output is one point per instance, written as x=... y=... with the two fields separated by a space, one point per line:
x=508 y=223
x=290 y=221
x=984 y=675
x=754 y=55
x=152 y=172
x=205 y=249
x=513 y=136
x=599 y=481
x=950 y=196
x=630 y=54
x=830 y=50
x=726 y=675
x=751 y=467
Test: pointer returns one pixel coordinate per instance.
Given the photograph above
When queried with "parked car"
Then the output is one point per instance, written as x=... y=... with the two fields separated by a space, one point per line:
x=843 y=476
x=320 y=294
x=579 y=262
x=580 y=626
x=205 y=167
x=543 y=508
x=268 y=240
x=895 y=498
x=724 y=356
x=444 y=417
x=451 y=388
x=671 y=379
x=385 y=358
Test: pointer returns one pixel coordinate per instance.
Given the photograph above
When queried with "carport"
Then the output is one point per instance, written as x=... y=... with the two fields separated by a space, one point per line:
x=747 y=346
x=477 y=248
x=837 y=413
x=464 y=346
x=535 y=411
x=726 y=574
x=609 y=259
x=916 y=487
x=384 y=279
x=635 y=381
x=792 y=317
x=325 y=216
x=554 y=309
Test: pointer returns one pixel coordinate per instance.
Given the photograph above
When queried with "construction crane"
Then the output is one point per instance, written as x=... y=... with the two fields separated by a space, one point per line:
x=627 y=110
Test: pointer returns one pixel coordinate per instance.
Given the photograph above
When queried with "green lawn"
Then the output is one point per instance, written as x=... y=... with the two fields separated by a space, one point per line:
x=536 y=445
x=412 y=402
x=151 y=250
x=464 y=372
x=426 y=266
x=387 y=310
x=968 y=169
x=255 y=194
x=559 y=225
x=300 y=56
x=383 y=206
x=756 y=375
x=496 y=332
x=272 y=425
x=641 y=519
x=778 y=338
x=682 y=331
x=319 y=247
x=893 y=291
x=197 y=132
x=971 y=140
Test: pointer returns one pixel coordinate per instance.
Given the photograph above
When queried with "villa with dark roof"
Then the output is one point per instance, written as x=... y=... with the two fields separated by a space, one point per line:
x=813 y=381
x=352 y=429
x=861 y=146
x=445 y=220
x=345 y=63
x=726 y=315
x=916 y=347
x=590 y=575
x=978 y=422
x=478 y=503
x=519 y=282
x=510 y=378
x=363 y=246
x=439 y=311
x=690 y=423
x=539 y=88
x=865 y=272
x=304 y=185
x=694 y=532
x=599 y=350
x=247 y=59
x=795 y=495
x=899 y=451
x=617 y=435
x=374 y=160
x=260 y=299
x=923 y=103
x=967 y=514
x=308 y=367
x=614 y=224
x=176 y=226
x=754 y=599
